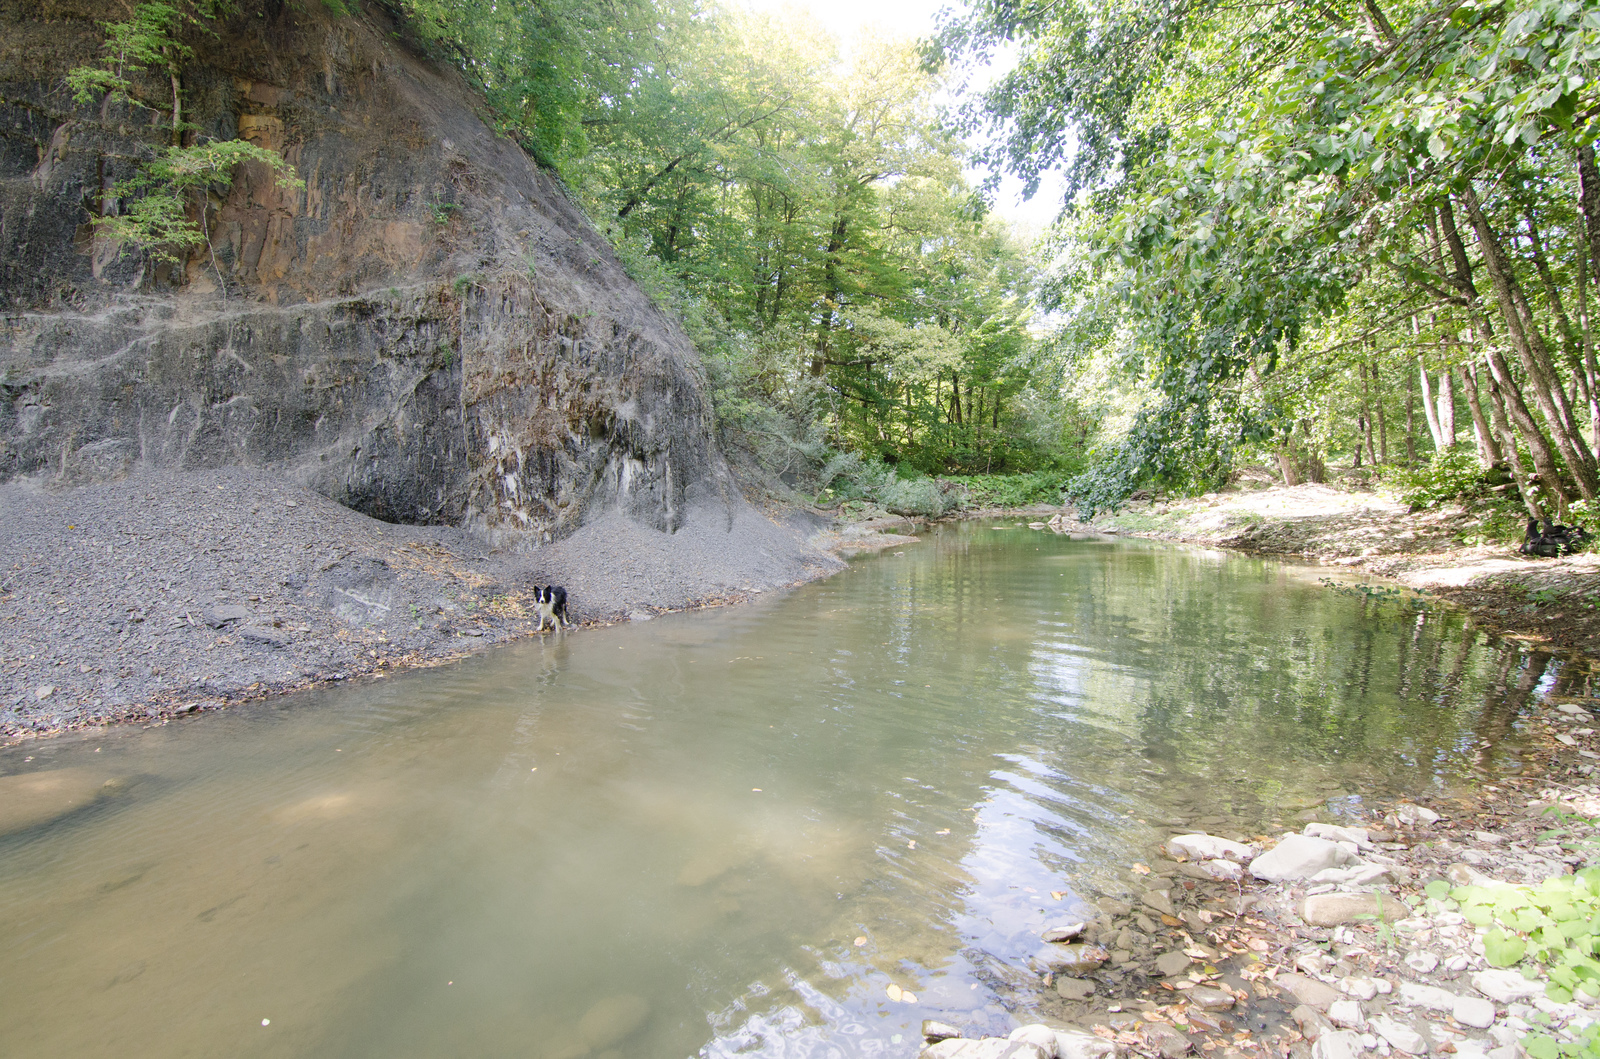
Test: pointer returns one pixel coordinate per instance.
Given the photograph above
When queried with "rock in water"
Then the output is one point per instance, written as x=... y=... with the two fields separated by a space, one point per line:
x=1209 y=847
x=1077 y=959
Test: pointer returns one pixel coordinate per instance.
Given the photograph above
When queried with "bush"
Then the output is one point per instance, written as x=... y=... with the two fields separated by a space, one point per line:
x=1008 y=490
x=1453 y=474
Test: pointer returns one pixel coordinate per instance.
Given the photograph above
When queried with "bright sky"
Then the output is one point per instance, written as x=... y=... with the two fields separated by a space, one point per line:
x=846 y=19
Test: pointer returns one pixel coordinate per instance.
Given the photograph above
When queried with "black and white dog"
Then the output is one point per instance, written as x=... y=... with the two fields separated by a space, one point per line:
x=551 y=601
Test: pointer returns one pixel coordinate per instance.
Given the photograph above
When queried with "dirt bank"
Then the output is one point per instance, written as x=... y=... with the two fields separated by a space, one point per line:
x=1442 y=552
x=169 y=591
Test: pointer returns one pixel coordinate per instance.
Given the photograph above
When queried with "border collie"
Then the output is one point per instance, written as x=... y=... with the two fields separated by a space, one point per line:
x=551 y=601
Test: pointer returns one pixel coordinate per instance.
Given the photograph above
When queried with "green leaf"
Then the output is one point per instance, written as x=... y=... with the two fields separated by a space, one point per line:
x=1502 y=949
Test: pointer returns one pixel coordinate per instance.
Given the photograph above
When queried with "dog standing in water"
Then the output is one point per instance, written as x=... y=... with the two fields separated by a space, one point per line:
x=551 y=601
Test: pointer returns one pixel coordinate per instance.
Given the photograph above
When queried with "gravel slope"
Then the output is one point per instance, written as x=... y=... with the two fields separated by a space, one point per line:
x=173 y=591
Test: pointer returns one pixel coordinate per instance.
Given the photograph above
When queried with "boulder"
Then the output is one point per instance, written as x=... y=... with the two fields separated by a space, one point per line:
x=1065 y=932
x=1298 y=857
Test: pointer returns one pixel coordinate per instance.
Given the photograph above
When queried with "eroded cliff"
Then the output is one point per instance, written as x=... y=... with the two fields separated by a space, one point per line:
x=427 y=332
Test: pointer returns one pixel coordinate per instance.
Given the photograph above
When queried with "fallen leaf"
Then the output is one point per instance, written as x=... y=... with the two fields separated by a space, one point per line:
x=860 y=942
x=1058 y=894
x=907 y=998
x=942 y=831
x=894 y=991
x=912 y=844
x=1257 y=945
x=1141 y=869
x=1170 y=921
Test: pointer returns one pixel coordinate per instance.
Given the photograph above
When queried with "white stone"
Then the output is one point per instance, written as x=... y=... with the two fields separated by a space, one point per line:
x=1456 y=964
x=1385 y=987
x=1346 y=1014
x=1421 y=961
x=1473 y=1011
x=1360 y=988
x=1223 y=870
x=1357 y=874
x=1414 y=994
x=1298 y=857
x=1335 y=833
x=1341 y=1044
x=1079 y=1044
x=1505 y=986
x=987 y=1048
x=1209 y=847
x=1040 y=1036
x=1412 y=815
x=1399 y=1035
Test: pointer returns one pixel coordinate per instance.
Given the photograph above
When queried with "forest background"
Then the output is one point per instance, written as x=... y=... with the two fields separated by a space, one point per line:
x=1336 y=239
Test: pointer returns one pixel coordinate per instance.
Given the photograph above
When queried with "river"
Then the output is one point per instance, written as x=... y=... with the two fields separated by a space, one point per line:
x=727 y=832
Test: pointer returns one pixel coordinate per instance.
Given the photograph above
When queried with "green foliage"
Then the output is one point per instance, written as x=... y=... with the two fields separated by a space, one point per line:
x=1450 y=476
x=1009 y=490
x=162 y=194
x=1262 y=217
x=1550 y=930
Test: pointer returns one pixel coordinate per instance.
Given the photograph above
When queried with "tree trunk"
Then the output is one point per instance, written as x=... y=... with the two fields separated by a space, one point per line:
x=1430 y=407
x=1586 y=338
x=1508 y=400
x=1447 y=407
x=1529 y=344
x=1508 y=442
x=1377 y=406
x=1488 y=446
x=1411 y=419
x=955 y=397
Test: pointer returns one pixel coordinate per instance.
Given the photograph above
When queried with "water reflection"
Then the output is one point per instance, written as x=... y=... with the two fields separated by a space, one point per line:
x=723 y=833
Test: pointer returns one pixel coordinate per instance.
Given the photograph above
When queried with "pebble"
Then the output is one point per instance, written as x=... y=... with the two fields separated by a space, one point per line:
x=1074 y=988
x=1339 y=1044
x=1078 y=959
x=934 y=1030
x=1209 y=847
x=1360 y=988
x=1415 y=994
x=1208 y=998
x=1159 y=900
x=1307 y=991
x=1171 y=964
x=1422 y=961
x=1505 y=986
x=1473 y=1011
x=1066 y=932
x=1347 y=1014
x=1399 y=1035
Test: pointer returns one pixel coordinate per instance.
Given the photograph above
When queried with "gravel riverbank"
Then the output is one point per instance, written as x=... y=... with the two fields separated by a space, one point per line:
x=170 y=592
x=1363 y=933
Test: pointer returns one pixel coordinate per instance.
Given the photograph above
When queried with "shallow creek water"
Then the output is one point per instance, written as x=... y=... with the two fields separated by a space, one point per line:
x=665 y=839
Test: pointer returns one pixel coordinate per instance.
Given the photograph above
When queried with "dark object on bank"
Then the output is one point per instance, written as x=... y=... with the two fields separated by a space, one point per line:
x=551 y=601
x=1553 y=540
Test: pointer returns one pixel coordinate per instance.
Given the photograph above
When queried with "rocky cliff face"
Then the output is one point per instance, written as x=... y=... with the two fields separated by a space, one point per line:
x=428 y=332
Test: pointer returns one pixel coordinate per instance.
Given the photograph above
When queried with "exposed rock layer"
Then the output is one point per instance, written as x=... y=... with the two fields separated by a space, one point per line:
x=427 y=332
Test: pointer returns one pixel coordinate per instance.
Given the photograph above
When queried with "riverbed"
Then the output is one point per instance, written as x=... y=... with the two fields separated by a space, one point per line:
x=719 y=833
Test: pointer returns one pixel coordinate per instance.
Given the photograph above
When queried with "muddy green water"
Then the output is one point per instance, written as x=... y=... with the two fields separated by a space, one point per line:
x=664 y=839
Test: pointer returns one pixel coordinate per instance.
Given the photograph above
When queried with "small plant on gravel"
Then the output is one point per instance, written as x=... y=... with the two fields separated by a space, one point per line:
x=1550 y=931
